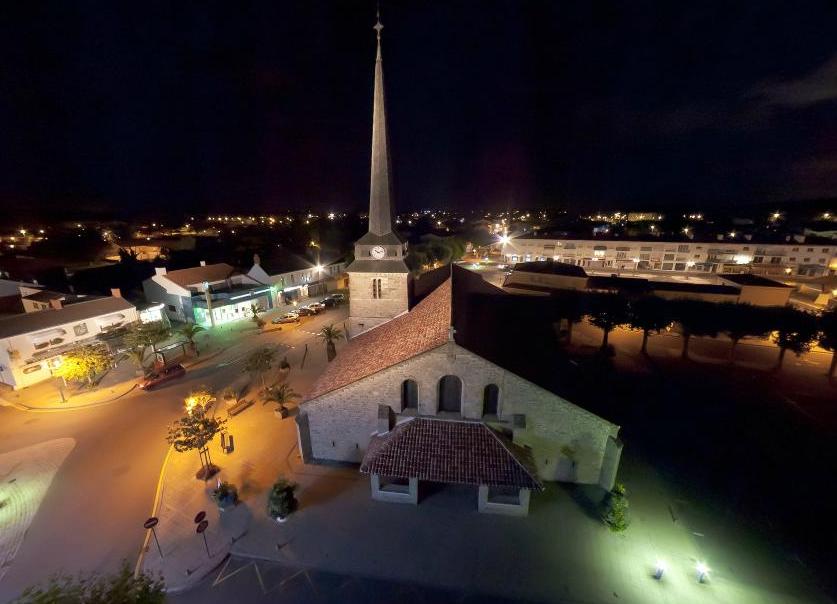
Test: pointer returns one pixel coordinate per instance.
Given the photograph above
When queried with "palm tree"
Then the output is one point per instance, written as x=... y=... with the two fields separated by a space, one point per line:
x=796 y=331
x=282 y=395
x=828 y=337
x=259 y=362
x=329 y=335
x=607 y=312
x=138 y=356
x=189 y=331
x=649 y=314
x=256 y=309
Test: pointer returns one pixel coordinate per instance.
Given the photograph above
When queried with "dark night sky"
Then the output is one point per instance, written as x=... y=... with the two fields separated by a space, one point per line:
x=256 y=106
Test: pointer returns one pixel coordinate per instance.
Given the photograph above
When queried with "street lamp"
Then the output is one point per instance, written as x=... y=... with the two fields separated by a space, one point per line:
x=659 y=569
x=702 y=571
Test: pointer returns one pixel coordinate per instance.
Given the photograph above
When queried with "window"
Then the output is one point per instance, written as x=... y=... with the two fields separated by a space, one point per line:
x=810 y=249
x=490 y=398
x=825 y=250
x=758 y=259
x=682 y=248
x=80 y=329
x=668 y=257
x=776 y=260
x=376 y=288
x=793 y=259
x=171 y=308
x=409 y=395
x=806 y=260
x=32 y=369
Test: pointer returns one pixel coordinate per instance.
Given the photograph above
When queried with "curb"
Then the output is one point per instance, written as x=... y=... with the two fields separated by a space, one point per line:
x=156 y=504
x=23 y=407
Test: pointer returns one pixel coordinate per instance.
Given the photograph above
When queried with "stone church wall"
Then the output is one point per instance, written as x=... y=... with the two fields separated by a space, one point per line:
x=363 y=308
x=567 y=442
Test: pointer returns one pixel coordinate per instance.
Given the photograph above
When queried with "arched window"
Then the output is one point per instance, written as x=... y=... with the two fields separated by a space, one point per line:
x=490 y=397
x=450 y=394
x=409 y=394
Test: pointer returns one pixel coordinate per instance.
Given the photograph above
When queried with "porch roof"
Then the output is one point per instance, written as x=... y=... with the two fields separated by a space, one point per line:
x=451 y=451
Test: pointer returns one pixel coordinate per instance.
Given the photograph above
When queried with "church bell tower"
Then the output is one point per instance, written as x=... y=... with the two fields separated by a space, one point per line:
x=378 y=277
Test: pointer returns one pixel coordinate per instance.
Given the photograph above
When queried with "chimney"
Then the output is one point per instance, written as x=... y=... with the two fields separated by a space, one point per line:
x=203 y=262
x=159 y=270
x=115 y=292
x=56 y=303
x=386 y=419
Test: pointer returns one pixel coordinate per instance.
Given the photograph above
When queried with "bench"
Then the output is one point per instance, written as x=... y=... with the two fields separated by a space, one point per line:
x=239 y=407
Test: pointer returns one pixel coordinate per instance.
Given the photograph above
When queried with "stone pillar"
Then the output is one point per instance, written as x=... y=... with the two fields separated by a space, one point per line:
x=610 y=463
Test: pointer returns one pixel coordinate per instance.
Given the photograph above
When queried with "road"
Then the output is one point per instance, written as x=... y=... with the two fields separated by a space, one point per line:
x=92 y=516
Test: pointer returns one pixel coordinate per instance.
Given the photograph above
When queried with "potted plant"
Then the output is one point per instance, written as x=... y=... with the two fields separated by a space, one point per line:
x=281 y=501
x=282 y=395
x=225 y=495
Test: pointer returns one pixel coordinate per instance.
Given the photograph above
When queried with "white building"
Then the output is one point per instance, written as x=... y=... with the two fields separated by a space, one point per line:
x=209 y=294
x=32 y=344
x=680 y=256
x=293 y=277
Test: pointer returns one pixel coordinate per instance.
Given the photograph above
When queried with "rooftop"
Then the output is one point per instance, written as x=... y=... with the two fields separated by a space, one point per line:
x=749 y=279
x=198 y=274
x=44 y=319
x=423 y=328
x=449 y=451
x=550 y=267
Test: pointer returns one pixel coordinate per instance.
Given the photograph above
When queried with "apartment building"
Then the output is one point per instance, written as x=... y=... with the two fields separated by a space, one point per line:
x=776 y=260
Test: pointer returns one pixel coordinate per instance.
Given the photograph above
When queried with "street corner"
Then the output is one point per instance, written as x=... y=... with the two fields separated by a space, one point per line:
x=184 y=550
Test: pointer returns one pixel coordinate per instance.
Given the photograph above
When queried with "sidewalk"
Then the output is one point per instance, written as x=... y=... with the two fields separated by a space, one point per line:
x=47 y=395
x=262 y=445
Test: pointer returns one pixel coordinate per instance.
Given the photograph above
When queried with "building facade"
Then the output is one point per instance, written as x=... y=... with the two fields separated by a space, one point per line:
x=209 y=294
x=32 y=344
x=713 y=257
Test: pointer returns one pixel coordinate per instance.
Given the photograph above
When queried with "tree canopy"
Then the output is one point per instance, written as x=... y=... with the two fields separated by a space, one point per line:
x=84 y=363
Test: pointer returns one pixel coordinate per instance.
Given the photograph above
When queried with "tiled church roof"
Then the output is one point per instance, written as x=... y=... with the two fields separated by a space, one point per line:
x=448 y=451
x=423 y=328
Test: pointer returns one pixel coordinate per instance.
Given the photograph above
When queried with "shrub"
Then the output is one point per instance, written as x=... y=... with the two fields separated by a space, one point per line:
x=281 y=501
x=615 y=514
x=225 y=493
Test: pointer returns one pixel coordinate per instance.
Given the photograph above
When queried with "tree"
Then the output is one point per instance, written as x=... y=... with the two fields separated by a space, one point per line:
x=122 y=587
x=146 y=335
x=696 y=318
x=570 y=308
x=828 y=337
x=194 y=431
x=615 y=513
x=199 y=400
x=259 y=362
x=329 y=334
x=83 y=363
x=607 y=312
x=741 y=320
x=281 y=500
x=138 y=356
x=282 y=395
x=795 y=331
x=189 y=331
x=649 y=313
x=256 y=309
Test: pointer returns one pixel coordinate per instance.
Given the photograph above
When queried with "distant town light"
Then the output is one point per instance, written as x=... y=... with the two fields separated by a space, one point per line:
x=504 y=239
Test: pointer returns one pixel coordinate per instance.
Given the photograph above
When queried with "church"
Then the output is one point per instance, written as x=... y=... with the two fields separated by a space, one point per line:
x=423 y=392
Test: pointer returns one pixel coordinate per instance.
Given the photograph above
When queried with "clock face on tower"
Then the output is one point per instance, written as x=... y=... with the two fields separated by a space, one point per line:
x=378 y=252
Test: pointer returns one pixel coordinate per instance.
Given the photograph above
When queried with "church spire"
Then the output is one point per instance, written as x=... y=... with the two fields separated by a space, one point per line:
x=380 y=191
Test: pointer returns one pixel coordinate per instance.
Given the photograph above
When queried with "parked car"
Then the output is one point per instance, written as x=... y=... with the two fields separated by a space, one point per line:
x=339 y=298
x=288 y=317
x=330 y=303
x=305 y=311
x=317 y=307
x=161 y=376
